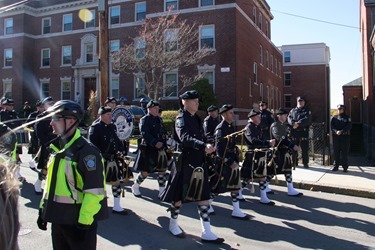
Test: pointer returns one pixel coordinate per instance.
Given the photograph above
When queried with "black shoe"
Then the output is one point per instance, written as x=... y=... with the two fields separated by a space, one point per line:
x=305 y=166
x=123 y=212
x=345 y=170
x=296 y=195
x=270 y=192
x=271 y=203
x=246 y=217
x=217 y=241
x=335 y=169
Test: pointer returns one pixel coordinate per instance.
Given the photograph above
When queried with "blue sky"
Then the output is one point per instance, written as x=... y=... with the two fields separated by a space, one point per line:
x=344 y=42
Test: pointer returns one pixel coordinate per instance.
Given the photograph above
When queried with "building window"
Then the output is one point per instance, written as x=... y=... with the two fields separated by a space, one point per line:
x=271 y=63
x=170 y=84
x=140 y=11
x=114 y=15
x=115 y=87
x=261 y=55
x=171 y=5
x=286 y=56
x=279 y=68
x=89 y=19
x=254 y=15
x=250 y=88
x=267 y=60
x=275 y=65
x=89 y=52
x=66 y=55
x=268 y=94
x=207 y=2
x=7 y=88
x=140 y=86
x=287 y=101
x=261 y=92
x=255 y=73
x=287 y=79
x=260 y=21
x=171 y=40
x=267 y=29
x=8 y=57
x=44 y=89
x=67 y=22
x=46 y=57
x=8 y=26
x=207 y=36
x=46 y=25
x=114 y=46
x=140 y=48
x=66 y=90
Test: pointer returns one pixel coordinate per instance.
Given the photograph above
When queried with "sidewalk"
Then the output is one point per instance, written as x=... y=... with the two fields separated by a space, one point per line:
x=358 y=181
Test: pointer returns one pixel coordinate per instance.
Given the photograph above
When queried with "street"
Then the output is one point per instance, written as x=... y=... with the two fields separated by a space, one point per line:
x=316 y=221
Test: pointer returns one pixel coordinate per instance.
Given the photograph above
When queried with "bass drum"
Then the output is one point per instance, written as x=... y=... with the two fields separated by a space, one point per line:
x=126 y=119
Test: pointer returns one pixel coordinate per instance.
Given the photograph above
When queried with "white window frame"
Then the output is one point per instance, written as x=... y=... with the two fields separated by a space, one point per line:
x=271 y=61
x=138 y=13
x=267 y=60
x=290 y=79
x=250 y=88
x=86 y=53
x=64 y=29
x=171 y=40
x=114 y=45
x=137 y=87
x=66 y=82
x=254 y=15
x=63 y=56
x=115 y=86
x=200 y=3
x=285 y=105
x=43 y=26
x=140 y=48
x=7 y=88
x=202 y=36
x=261 y=94
x=261 y=55
x=8 y=26
x=5 y=58
x=42 y=57
x=172 y=72
x=117 y=7
x=168 y=3
x=260 y=21
x=255 y=73
x=287 y=57
x=203 y=70
x=93 y=20
x=44 y=83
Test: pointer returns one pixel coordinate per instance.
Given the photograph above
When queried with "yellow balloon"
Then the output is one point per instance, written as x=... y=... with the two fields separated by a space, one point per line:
x=85 y=15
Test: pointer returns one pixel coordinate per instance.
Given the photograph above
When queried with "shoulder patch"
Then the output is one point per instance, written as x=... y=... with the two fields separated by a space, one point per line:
x=90 y=162
x=218 y=133
x=180 y=122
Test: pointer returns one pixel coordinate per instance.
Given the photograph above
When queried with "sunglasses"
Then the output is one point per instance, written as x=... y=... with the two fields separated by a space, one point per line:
x=56 y=118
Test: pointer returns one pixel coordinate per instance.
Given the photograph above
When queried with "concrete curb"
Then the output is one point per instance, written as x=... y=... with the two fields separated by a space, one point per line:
x=328 y=189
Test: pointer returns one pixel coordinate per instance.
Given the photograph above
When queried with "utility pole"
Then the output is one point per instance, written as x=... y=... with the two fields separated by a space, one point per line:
x=103 y=50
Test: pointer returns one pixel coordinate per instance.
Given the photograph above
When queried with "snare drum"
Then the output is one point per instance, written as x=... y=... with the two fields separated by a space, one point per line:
x=123 y=118
x=283 y=160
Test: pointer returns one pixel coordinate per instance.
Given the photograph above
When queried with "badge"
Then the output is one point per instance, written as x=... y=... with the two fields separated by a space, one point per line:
x=218 y=133
x=90 y=162
x=180 y=122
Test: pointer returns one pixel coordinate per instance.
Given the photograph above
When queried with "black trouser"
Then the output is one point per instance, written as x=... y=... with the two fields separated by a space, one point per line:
x=303 y=142
x=70 y=237
x=341 y=150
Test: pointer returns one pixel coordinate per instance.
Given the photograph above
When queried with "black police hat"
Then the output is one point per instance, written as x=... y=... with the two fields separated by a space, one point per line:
x=46 y=100
x=38 y=103
x=190 y=94
x=263 y=103
x=110 y=99
x=212 y=108
x=340 y=106
x=225 y=108
x=300 y=98
x=8 y=101
x=102 y=110
x=152 y=104
x=253 y=112
x=281 y=111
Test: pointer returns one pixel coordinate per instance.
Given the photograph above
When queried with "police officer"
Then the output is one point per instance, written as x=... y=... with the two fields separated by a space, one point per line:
x=74 y=198
x=266 y=119
x=210 y=123
x=45 y=135
x=189 y=181
x=153 y=156
x=299 y=119
x=11 y=118
x=102 y=134
x=227 y=166
x=143 y=102
x=279 y=132
x=340 y=128
x=111 y=102
x=34 y=142
x=254 y=140
x=123 y=101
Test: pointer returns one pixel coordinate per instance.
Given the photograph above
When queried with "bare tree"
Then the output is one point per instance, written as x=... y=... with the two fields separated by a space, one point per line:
x=163 y=44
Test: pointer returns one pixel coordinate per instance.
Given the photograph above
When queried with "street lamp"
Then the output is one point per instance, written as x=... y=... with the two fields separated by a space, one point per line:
x=103 y=50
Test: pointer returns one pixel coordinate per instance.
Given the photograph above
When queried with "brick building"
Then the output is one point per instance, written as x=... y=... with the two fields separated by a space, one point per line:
x=306 y=73
x=47 y=50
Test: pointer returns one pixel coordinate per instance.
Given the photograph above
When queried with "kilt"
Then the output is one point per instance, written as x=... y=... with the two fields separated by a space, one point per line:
x=256 y=164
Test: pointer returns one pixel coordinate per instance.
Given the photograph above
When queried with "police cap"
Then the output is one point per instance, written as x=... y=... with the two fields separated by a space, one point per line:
x=102 y=110
x=110 y=99
x=340 y=106
x=190 y=94
x=281 y=111
x=253 y=112
x=262 y=103
x=38 y=103
x=225 y=108
x=300 y=98
x=143 y=100
x=8 y=101
x=212 y=108
x=152 y=104
x=46 y=100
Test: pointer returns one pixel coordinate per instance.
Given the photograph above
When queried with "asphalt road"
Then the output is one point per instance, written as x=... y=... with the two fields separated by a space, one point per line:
x=314 y=221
